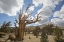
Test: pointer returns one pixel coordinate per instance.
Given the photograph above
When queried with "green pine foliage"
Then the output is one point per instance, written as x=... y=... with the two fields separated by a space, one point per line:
x=5 y=27
x=36 y=31
x=44 y=37
x=58 y=34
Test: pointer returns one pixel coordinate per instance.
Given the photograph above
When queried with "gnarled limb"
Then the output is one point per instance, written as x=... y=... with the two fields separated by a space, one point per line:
x=25 y=17
x=27 y=8
x=31 y=21
x=26 y=12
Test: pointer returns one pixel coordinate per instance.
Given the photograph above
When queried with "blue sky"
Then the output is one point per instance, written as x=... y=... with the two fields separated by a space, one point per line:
x=52 y=10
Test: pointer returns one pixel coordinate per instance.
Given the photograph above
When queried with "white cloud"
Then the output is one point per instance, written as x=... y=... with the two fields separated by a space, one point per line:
x=46 y=11
x=10 y=7
x=48 y=6
x=37 y=2
x=59 y=21
x=50 y=3
x=60 y=13
x=44 y=20
x=31 y=8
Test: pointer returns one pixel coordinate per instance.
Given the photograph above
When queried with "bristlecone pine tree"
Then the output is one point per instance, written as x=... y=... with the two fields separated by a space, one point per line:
x=58 y=34
x=48 y=29
x=23 y=21
x=44 y=37
x=5 y=27
x=36 y=31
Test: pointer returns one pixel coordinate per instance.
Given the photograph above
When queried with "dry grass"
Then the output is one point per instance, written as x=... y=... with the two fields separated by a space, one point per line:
x=26 y=38
x=32 y=38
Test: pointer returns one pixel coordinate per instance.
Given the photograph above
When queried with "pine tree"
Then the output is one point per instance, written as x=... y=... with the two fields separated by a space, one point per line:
x=58 y=34
x=36 y=31
x=44 y=37
x=5 y=27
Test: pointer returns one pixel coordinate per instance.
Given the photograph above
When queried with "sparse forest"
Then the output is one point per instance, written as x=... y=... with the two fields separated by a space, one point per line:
x=43 y=26
x=5 y=27
x=47 y=30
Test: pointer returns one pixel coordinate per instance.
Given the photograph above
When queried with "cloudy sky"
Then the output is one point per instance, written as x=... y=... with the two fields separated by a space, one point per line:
x=53 y=10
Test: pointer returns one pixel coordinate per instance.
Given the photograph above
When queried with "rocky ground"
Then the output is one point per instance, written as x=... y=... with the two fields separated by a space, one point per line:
x=26 y=38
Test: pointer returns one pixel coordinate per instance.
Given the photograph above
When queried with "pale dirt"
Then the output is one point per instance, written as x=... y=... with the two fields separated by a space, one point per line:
x=32 y=38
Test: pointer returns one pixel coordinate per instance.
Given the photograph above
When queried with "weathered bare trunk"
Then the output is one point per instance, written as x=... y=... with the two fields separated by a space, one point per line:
x=22 y=24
